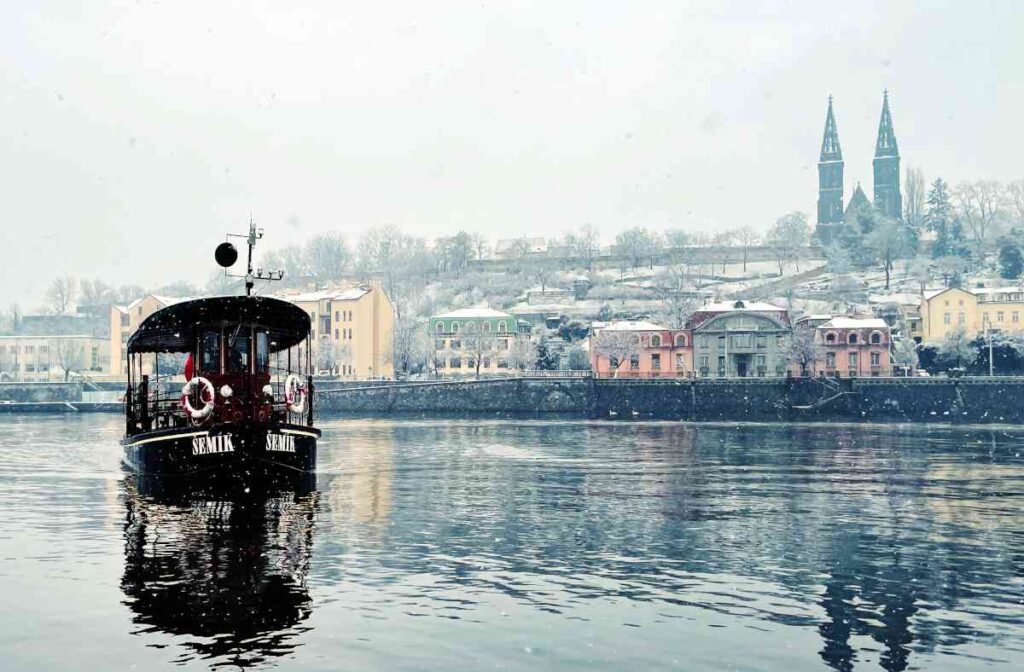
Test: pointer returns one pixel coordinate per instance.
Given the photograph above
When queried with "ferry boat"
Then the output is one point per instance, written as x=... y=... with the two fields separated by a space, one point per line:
x=246 y=407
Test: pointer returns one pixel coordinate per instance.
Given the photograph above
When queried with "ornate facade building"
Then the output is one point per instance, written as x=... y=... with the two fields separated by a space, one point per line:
x=834 y=221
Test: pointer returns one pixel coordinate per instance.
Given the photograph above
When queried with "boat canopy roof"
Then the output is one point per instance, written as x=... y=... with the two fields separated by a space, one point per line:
x=176 y=327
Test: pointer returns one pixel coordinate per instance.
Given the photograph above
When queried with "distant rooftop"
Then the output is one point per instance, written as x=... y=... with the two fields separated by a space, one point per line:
x=729 y=306
x=350 y=294
x=629 y=325
x=855 y=323
x=472 y=312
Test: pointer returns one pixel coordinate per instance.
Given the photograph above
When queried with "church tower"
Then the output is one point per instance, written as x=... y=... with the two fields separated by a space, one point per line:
x=830 y=180
x=888 y=199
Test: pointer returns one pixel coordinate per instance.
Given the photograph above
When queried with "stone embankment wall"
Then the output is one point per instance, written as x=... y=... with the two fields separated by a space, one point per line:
x=910 y=400
x=40 y=392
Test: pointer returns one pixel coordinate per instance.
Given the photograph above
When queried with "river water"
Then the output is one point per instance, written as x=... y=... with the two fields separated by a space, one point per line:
x=524 y=545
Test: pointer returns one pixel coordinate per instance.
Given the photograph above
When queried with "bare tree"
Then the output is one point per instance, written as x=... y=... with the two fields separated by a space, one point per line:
x=888 y=241
x=803 y=350
x=480 y=245
x=523 y=353
x=542 y=267
x=479 y=343
x=914 y=194
x=326 y=355
x=1015 y=196
x=676 y=238
x=585 y=245
x=409 y=343
x=788 y=237
x=617 y=346
x=70 y=355
x=747 y=238
x=724 y=239
x=980 y=205
x=327 y=257
x=635 y=244
x=956 y=346
x=97 y=294
x=61 y=293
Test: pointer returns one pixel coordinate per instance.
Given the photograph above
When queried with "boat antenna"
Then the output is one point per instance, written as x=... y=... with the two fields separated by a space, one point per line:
x=226 y=255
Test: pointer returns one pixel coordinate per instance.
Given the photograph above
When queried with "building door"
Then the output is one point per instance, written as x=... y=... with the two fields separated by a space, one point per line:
x=742 y=365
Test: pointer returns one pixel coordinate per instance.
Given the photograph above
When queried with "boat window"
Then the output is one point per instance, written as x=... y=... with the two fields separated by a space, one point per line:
x=238 y=350
x=262 y=352
x=210 y=351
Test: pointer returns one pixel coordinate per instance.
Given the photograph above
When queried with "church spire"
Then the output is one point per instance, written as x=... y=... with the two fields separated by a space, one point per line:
x=830 y=181
x=888 y=199
x=886 y=143
x=830 y=149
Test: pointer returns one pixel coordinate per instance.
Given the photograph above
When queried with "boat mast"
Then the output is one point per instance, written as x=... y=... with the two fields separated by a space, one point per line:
x=251 y=277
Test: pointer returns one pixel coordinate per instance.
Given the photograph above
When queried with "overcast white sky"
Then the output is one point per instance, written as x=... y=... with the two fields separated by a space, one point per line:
x=133 y=135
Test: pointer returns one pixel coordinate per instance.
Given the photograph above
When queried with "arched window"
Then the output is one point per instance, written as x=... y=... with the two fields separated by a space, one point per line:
x=830 y=338
x=851 y=339
x=487 y=326
x=655 y=341
x=501 y=326
x=440 y=327
x=680 y=340
x=455 y=327
x=876 y=337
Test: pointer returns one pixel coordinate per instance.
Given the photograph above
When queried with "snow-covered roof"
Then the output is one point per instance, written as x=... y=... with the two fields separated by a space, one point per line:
x=350 y=294
x=630 y=325
x=855 y=323
x=902 y=298
x=731 y=305
x=472 y=312
x=996 y=290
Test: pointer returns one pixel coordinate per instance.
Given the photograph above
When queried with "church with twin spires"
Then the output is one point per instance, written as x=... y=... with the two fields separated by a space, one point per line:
x=836 y=221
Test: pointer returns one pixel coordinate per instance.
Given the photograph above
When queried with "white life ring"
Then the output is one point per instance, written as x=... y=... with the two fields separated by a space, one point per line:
x=294 y=394
x=207 y=394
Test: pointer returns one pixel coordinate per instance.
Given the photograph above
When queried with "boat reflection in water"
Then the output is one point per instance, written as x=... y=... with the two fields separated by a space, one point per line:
x=221 y=571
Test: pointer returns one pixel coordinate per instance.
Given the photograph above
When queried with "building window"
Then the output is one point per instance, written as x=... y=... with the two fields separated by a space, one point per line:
x=702 y=341
x=680 y=341
x=634 y=362
x=456 y=363
x=999 y=316
x=613 y=362
x=656 y=362
x=761 y=361
x=440 y=327
x=876 y=359
x=125 y=319
x=502 y=363
x=439 y=344
x=336 y=334
x=456 y=344
x=1015 y=316
x=704 y=362
x=455 y=327
x=830 y=360
x=946 y=318
x=830 y=338
x=852 y=339
x=501 y=326
x=876 y=338
x=721 y=365
x=337 y=316
x=487 y=363
x=853 y=360
x=655 y=341
x=487 y=326
x=471 y=363
x=961 y=318
x=721 y=342
x=762 y=342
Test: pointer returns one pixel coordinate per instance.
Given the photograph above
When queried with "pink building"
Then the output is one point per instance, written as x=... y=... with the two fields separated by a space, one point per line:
x=630 y=349
x=853 y=347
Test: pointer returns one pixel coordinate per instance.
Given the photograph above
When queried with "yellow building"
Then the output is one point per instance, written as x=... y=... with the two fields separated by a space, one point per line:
x=945 y=310
x=51 y=358
x=124 y=320
x=352 y=330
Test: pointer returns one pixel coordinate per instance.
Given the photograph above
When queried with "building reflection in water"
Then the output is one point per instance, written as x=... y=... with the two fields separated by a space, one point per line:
x=222 y=571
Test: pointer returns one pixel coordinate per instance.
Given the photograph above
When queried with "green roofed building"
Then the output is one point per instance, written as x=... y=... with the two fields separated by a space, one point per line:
x=480 y=341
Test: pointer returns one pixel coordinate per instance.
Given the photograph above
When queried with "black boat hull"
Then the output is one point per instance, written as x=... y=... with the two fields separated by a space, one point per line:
x=247 y=450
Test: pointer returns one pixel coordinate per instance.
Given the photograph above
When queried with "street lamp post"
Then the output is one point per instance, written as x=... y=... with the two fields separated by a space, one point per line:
x=988 y=337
